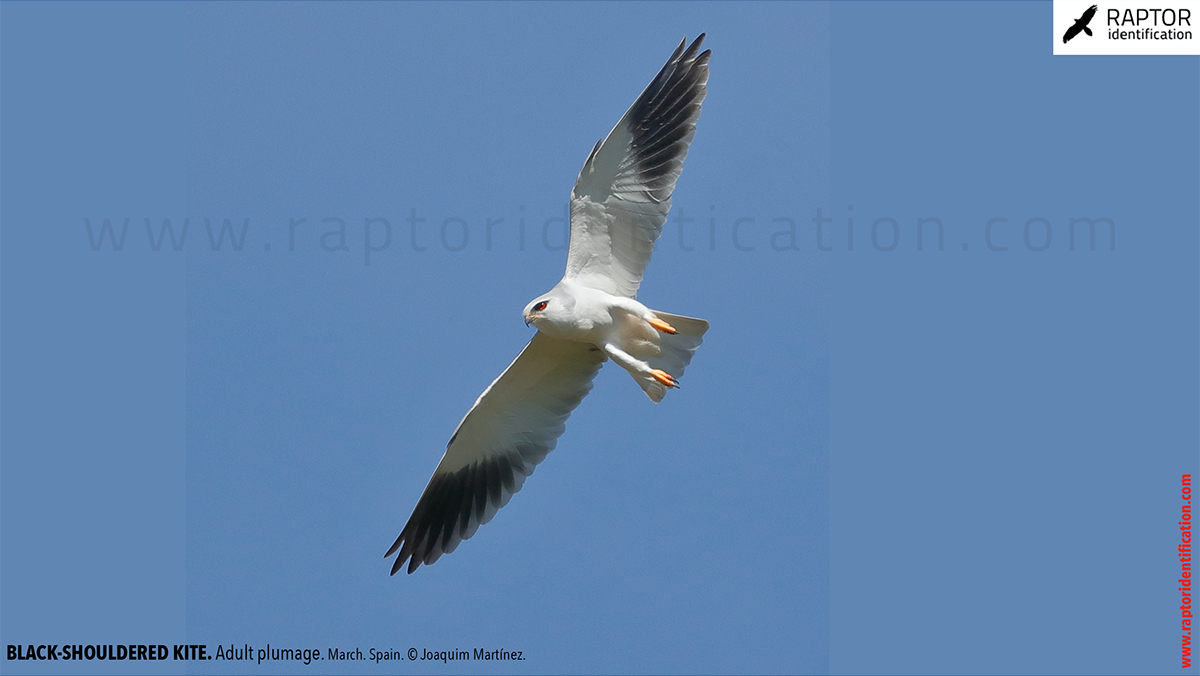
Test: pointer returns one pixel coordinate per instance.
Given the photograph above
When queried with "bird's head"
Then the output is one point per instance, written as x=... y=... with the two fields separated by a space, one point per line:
x=534 y=311
x=549 y=310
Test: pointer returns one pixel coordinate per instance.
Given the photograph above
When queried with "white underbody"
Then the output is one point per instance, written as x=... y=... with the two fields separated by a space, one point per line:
x=620 y=327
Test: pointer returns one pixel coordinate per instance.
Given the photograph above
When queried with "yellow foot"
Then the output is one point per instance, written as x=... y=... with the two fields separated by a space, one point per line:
x=664 y=378
x=661 y=326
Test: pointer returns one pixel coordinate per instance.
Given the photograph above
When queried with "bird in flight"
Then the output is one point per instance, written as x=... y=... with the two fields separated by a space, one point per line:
x=1081 y=24
x=618 y=207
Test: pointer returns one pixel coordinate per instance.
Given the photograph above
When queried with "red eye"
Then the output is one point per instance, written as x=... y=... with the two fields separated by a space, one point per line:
x=540 y=306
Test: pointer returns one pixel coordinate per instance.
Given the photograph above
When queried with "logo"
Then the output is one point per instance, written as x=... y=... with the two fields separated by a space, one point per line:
x=1081 y=24
x=1125 y=27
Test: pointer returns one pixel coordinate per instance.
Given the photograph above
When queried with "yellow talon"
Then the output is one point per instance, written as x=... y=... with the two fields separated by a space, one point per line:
x=664 y=378
x=661 y=325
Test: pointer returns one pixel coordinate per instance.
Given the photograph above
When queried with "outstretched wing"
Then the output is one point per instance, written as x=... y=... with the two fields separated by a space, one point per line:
x=510 y=429
x=623 y=192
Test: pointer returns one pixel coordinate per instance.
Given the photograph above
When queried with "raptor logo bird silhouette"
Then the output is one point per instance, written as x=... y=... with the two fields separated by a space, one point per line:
x=1081 y=24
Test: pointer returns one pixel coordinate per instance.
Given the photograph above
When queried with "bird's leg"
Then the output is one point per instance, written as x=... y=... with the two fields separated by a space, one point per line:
x=647 y=315
x=625 y=360
x=636 y=366
x=661 y=326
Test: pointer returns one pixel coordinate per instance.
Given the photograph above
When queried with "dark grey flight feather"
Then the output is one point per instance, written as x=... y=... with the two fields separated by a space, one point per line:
x=663 y=117
x=451 y=504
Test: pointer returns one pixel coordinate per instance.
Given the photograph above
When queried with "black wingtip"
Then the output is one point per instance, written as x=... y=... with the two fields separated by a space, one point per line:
x=690 y=53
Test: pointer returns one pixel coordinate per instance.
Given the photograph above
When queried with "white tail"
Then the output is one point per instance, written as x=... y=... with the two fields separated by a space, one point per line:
x=677 y=350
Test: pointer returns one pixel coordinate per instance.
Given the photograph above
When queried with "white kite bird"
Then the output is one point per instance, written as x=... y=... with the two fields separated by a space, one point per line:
x=618 y=208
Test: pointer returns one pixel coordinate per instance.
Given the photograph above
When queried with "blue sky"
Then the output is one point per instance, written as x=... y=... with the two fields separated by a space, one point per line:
x=883 y=458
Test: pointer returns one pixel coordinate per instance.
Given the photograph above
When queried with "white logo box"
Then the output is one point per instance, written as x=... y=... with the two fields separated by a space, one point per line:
x=1127 y=27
